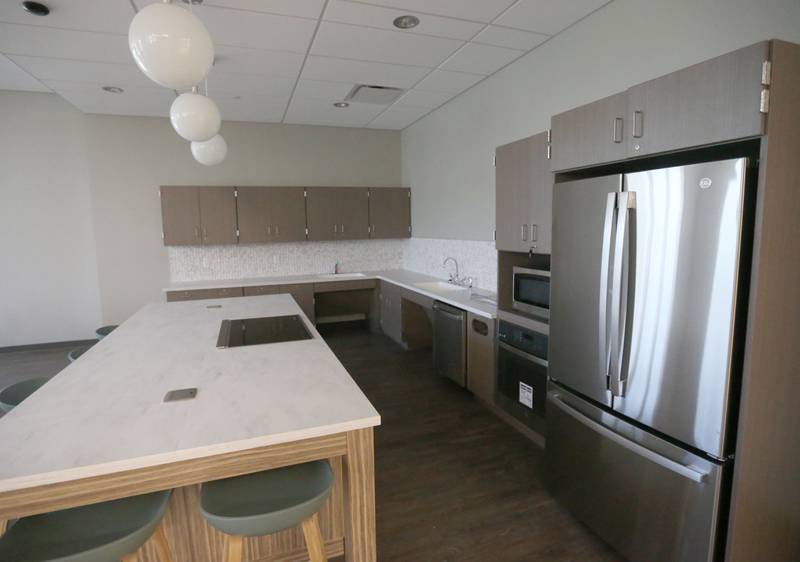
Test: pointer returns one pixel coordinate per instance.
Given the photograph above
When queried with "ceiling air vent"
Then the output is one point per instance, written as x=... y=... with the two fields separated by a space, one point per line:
x=380 y=95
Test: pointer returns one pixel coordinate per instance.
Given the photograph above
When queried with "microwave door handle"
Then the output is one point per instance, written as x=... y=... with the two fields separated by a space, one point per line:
x=616 y=383
x=602 y=325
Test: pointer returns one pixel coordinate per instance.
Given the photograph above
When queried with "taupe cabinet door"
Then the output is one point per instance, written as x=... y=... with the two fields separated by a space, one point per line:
x=200 y=294
x=391 y=301
x=218 y=215
x=524 y=191
x=194 y=216
x=390 y=212
x=715 y=101
x=591 y=134
x=271 y=214
x=337 y=213
x=480 y=357
x=180 y=216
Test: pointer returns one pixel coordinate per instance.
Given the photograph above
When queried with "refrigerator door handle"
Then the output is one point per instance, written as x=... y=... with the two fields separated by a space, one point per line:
x=625 y=200
x=602 y=327
x=642 y=451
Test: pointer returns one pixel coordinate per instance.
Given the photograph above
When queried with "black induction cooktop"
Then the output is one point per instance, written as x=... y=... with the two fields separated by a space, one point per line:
x=258 y=331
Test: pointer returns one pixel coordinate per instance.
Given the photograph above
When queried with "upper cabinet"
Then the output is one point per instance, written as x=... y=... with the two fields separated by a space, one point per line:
x=591 y=134
x=194 y=216
x=716 y=101
x=337 y=213
x=390 y=212
x=524 y=193
x=271 y=214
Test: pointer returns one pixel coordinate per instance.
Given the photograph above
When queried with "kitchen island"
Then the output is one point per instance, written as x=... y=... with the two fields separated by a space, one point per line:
x=100 y=429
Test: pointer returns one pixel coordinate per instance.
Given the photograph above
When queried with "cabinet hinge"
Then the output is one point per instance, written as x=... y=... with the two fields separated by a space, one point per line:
x=236 y=193
x=766 y=73
x=549 y=151
x=306 y=232
x=494 y=235
x=549 y=135
x=764 y=103
x=237 y=233
x=409 y=229
x=162 y=234
x=494 y=161
x=305 y=193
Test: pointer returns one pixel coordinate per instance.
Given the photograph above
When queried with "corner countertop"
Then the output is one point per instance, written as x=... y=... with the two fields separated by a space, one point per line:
x=409 y=280
x=105 y=412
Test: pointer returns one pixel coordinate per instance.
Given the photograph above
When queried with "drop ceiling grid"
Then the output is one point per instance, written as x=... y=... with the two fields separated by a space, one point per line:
x=275 y=53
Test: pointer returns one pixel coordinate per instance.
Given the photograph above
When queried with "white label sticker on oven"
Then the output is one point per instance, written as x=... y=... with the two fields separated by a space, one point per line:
x=526 y=395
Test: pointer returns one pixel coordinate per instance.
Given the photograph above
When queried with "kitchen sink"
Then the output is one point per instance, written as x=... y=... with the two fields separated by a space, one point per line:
x=340 y=275
x=441 y=286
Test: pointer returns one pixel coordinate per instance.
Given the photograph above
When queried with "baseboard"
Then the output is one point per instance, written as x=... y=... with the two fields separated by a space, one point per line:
x=45 y=346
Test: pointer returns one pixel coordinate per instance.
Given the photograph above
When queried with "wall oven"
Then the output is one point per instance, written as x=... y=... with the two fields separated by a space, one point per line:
x=531 y=291
x=522 y=371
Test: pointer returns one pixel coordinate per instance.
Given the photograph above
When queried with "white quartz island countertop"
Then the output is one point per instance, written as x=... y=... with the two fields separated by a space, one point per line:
x=105 y=412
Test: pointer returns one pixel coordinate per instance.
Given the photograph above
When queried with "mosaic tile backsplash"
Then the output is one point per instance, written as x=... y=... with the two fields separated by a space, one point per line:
x=476 y=259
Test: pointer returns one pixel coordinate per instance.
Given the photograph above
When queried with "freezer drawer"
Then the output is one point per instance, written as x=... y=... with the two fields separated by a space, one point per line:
x=650 y=500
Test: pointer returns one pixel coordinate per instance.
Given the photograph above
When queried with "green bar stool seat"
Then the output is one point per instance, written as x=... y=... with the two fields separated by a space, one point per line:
x=12 y=395
x=103 y=532
x=267 y=502
x=103 y=331
x=77 y=352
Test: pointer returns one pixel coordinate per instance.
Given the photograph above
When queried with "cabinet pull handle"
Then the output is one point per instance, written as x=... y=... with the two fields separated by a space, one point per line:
x=342 y=228
x=638 y=124
x=269 y=230
x=534 y=232
x=335 y=228
x=196 y=232
x=617 y=132
x=277 y=230
x=524 y=232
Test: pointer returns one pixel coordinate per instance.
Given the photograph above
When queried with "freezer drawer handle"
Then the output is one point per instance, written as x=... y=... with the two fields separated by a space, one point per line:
x=669 y=464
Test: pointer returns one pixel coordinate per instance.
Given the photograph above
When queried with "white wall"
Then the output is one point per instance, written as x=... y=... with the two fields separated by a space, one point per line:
x=447 y=156
x=48 y=277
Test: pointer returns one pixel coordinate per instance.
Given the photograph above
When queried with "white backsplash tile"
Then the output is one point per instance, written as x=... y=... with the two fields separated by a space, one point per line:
x=424 y=255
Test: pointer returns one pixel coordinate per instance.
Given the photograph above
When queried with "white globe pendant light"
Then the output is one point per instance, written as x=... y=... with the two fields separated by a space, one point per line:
x=171 y=45
x=210 y=152
x=195 y=117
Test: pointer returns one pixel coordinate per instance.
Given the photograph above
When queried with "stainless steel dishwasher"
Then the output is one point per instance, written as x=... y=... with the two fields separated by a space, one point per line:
x=450 y=342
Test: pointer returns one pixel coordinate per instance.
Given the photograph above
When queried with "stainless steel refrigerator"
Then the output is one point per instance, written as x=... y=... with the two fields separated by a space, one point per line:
x=648 y=274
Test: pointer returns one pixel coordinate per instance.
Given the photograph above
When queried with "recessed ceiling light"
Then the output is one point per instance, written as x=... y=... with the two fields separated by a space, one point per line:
x=341 y=104
x=36 y=8
x=406 y=22
x=113 y=89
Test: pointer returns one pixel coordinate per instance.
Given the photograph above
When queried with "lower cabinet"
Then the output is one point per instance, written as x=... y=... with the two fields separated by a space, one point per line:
x=391 y=304
x=199 y=294
x=481 y=357
x=303 y=293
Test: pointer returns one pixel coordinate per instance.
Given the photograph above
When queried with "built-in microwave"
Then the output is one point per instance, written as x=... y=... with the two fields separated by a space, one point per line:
x=531 y=291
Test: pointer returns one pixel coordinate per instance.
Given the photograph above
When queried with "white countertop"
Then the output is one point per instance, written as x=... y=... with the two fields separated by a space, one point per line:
x=104 y=413
x=401 y=277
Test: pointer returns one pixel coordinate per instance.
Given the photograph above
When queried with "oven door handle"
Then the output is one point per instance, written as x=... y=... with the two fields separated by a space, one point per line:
x=518 y=352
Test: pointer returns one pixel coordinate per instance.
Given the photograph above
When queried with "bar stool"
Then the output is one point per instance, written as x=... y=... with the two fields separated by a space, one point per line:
x=267 y=502
x=101 y=532
x=13 y=394
x=77 y=352
x=103 y=331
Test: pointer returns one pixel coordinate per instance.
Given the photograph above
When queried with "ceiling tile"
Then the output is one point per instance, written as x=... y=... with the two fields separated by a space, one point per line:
x=423 y=98
x=548 y=16
x=376 y=16
x=261 y=109
x=448 y=81
x=510 y=38
x=481 y=59
x=299 y=8
x=255 y=29
x=103 y=73
x=398 y=117
x=322 y=90
x=475 y=10
x=12 y=77
x=361 y=72
x=322 y=112
x=361 y=43
x=113 y=16
x=254 y=61
x=63 y=43
x=252 y=84
x=144 y=102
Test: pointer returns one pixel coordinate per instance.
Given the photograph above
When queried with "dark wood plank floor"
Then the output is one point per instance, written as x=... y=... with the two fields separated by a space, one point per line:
x=453 y=482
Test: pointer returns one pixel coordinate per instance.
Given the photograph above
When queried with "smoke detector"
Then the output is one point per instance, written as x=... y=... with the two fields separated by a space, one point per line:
x=379 y=95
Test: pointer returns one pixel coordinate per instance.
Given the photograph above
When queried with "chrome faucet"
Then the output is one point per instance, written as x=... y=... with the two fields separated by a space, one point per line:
x=336 y=267
x=453 y=278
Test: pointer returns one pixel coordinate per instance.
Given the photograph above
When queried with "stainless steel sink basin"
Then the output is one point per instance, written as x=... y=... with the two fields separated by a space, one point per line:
x=441 y=287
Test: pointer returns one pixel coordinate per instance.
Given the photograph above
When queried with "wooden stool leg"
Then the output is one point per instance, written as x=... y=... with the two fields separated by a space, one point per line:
x=314 y=542
x=131 y=558
x=233 y=548
x=162 y=545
